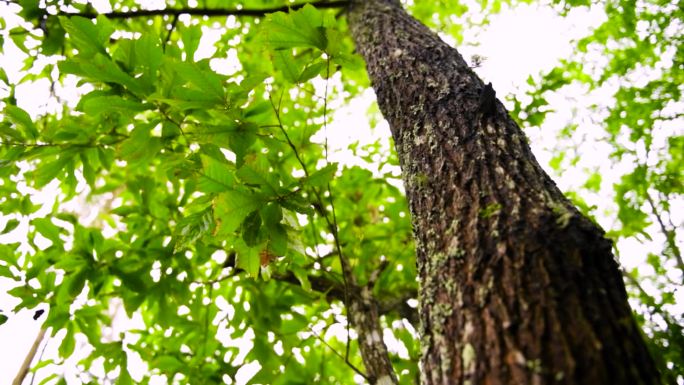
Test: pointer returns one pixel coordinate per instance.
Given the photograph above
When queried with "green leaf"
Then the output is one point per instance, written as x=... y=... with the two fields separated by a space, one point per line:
x=216 y=177
x=322 y=177
x=191 y=37
x=71 y=262
x=106 y=104
x=6 y=272
x=3 y=75
x=9 y=132
x=248 y=259
x=49 y=170
x=232 y=207
x=277 y=239
x=54 y=39
x=286 y=63
x=298 y=204
x=88 y=171
x=10 y=253
x=124 y=376
x=250 y=229
x=132 y=301
x=132 y=280
x=193 y=227
x=593 y=183
x=302 y=28
x=148 y=54
x=312 y=70
x=29 y=8
x=140 y=148
x=168 y=364
x=257 y=177
x=48 y=229
x=75 y=283
x=272 y=214
x=203 y=78
x=302 y=277
x=18 y=36
x=106 y=157
x=66 y=347
x=85 y=35
x=3 y=319
x=241 y=141
x=101 y=69
x=10 y=225
x=49 y=378
x=22 y=120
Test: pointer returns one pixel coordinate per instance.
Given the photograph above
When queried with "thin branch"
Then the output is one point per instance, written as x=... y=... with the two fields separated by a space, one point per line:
x=26 y=365
x=206 y=319
x=347 y=273
x=325 y=109
x=375 y=274
x=324 y=342
x=40 y=356
x=287 y=137
x=356 y=303
x=668 y=233
x=209 y=12
x=61 y=145
x=168 y=36
x=399 y=304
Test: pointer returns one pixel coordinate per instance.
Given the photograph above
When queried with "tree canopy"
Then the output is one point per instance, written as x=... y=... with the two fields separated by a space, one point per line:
x=192 y=199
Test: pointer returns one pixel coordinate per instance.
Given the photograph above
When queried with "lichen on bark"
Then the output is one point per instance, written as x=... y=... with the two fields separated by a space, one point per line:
x=511 y=291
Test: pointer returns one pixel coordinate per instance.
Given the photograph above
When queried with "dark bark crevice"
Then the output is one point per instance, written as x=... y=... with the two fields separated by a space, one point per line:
x=516 y=285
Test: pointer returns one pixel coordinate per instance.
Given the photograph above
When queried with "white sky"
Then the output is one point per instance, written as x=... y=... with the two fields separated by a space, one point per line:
x=517 y=44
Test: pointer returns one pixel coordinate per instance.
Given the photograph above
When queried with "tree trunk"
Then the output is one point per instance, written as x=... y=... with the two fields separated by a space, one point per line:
x=517 y=287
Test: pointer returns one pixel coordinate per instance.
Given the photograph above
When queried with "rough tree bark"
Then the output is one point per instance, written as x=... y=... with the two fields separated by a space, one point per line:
x=517 y=287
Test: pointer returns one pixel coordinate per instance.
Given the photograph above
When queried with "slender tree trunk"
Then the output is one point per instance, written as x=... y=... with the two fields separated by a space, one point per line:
x=517 y=287
x=365 y=318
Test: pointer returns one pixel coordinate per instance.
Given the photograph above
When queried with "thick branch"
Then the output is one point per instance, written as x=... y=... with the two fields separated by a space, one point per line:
x=399 y=304
x=210 y=12
x=335 y=291
x=364 y=312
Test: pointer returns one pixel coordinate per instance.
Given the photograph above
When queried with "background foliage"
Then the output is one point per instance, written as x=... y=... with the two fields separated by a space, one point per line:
x=636 y=56
x=196 y=196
